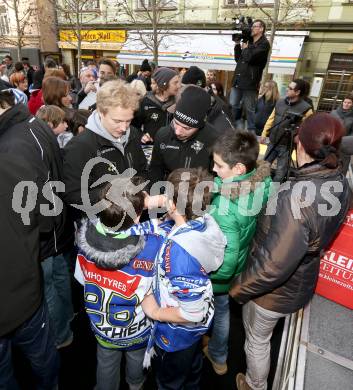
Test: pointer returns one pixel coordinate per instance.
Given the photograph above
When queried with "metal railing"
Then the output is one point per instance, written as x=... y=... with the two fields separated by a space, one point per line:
x=288 y=353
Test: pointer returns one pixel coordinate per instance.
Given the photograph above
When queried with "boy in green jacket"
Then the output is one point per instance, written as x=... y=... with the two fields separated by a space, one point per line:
x=242 y=188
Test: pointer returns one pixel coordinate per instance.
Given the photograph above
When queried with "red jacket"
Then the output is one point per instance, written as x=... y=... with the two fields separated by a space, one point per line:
x=35 y=101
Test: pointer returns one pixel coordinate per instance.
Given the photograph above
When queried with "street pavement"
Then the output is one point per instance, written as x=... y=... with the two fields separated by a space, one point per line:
x=78 y=361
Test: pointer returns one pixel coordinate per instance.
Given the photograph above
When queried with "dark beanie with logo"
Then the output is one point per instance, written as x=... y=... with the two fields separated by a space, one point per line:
x=163 y=75
x=193 y=106
x=145 y=66
x=196 y=76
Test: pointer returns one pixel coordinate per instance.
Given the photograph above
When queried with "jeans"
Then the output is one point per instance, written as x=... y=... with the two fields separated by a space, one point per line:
x=180 y=370
x=57 y=292
x=108 y=368
x=36 y=341
x=259 y=324
x=281 y=154
x=249 y=100
x=218 y=343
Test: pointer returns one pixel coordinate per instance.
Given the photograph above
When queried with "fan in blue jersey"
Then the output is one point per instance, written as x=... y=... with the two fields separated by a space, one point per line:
x=116 y=269
x=182 y=301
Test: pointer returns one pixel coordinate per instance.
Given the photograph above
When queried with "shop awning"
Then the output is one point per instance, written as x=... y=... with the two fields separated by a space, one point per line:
x=209 y=49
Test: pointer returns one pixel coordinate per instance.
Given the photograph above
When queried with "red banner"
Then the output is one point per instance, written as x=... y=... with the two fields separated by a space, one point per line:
x=336 y=267
x=118 y=281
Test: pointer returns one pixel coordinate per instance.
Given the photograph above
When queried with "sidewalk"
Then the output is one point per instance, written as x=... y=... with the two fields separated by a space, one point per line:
x=79 y=360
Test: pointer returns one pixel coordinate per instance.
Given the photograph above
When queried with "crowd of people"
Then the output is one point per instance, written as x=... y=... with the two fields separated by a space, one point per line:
x=160 y=242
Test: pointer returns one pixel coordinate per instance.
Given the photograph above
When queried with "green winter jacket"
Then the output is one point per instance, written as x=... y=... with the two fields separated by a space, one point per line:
x=236 y=207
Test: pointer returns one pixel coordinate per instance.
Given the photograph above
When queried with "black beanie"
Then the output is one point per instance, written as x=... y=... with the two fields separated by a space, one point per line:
x=145 y=66
x=196 y=76
x=38 y=77
x=193 y=106
x=162 y=76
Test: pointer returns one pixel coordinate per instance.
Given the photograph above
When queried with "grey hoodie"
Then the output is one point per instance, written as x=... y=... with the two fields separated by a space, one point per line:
x=94 y=124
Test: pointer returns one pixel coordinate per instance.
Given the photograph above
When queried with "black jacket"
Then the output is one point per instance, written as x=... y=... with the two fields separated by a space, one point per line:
x=263 y=110
x=283 y=263
x=29 y=75
x=219 y=115
x=281 y=122
x=152 y=114
x=346 y=117
x=169 y=153
x=24 y=135
x=88 y=145
x=20 y=276
x=4 y=85
x=346 y=151
x=250 y=64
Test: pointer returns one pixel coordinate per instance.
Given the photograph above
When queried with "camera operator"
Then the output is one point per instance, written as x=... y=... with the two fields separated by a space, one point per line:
x=251 y=58
x=285 y=111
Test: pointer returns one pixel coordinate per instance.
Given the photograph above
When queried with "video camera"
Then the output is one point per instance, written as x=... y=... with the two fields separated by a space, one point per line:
x=244 y=24
x=293 y=117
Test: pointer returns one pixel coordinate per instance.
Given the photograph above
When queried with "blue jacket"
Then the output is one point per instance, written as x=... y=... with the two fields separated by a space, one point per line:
x=188 y=254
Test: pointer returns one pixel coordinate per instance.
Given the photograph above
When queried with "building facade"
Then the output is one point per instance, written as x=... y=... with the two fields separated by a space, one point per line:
x=189 y=32
x=27 y=29
x=315 y=42
x=328 y=53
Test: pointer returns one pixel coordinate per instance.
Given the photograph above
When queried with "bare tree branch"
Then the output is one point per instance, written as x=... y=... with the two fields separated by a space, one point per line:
x=25 y=21
x=78 y=14
x=157 y=15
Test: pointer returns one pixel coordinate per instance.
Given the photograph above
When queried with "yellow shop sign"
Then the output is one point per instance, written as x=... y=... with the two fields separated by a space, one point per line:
x=94 y=36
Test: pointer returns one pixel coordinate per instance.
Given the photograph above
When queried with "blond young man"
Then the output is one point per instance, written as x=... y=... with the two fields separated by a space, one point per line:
x=108 y=135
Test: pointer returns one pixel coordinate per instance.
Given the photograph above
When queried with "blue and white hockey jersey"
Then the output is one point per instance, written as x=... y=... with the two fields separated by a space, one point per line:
x=116 y=270
x=188 y=254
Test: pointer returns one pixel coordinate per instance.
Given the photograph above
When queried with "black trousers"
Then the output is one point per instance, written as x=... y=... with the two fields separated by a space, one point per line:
x=179 y=370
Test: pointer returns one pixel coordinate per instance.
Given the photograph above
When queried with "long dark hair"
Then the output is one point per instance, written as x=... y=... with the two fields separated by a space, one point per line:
x=54 y=89
x=219 y=88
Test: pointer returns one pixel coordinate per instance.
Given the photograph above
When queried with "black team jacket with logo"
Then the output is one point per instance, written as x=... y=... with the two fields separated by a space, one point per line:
x=169 y=153
x=152 y=114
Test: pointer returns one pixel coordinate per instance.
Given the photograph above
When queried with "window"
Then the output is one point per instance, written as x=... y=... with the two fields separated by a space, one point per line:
x=4 y=22
x=81 y=5
x=92 y=4
x=142 y=4
x=264 y=2
x=235 y=2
